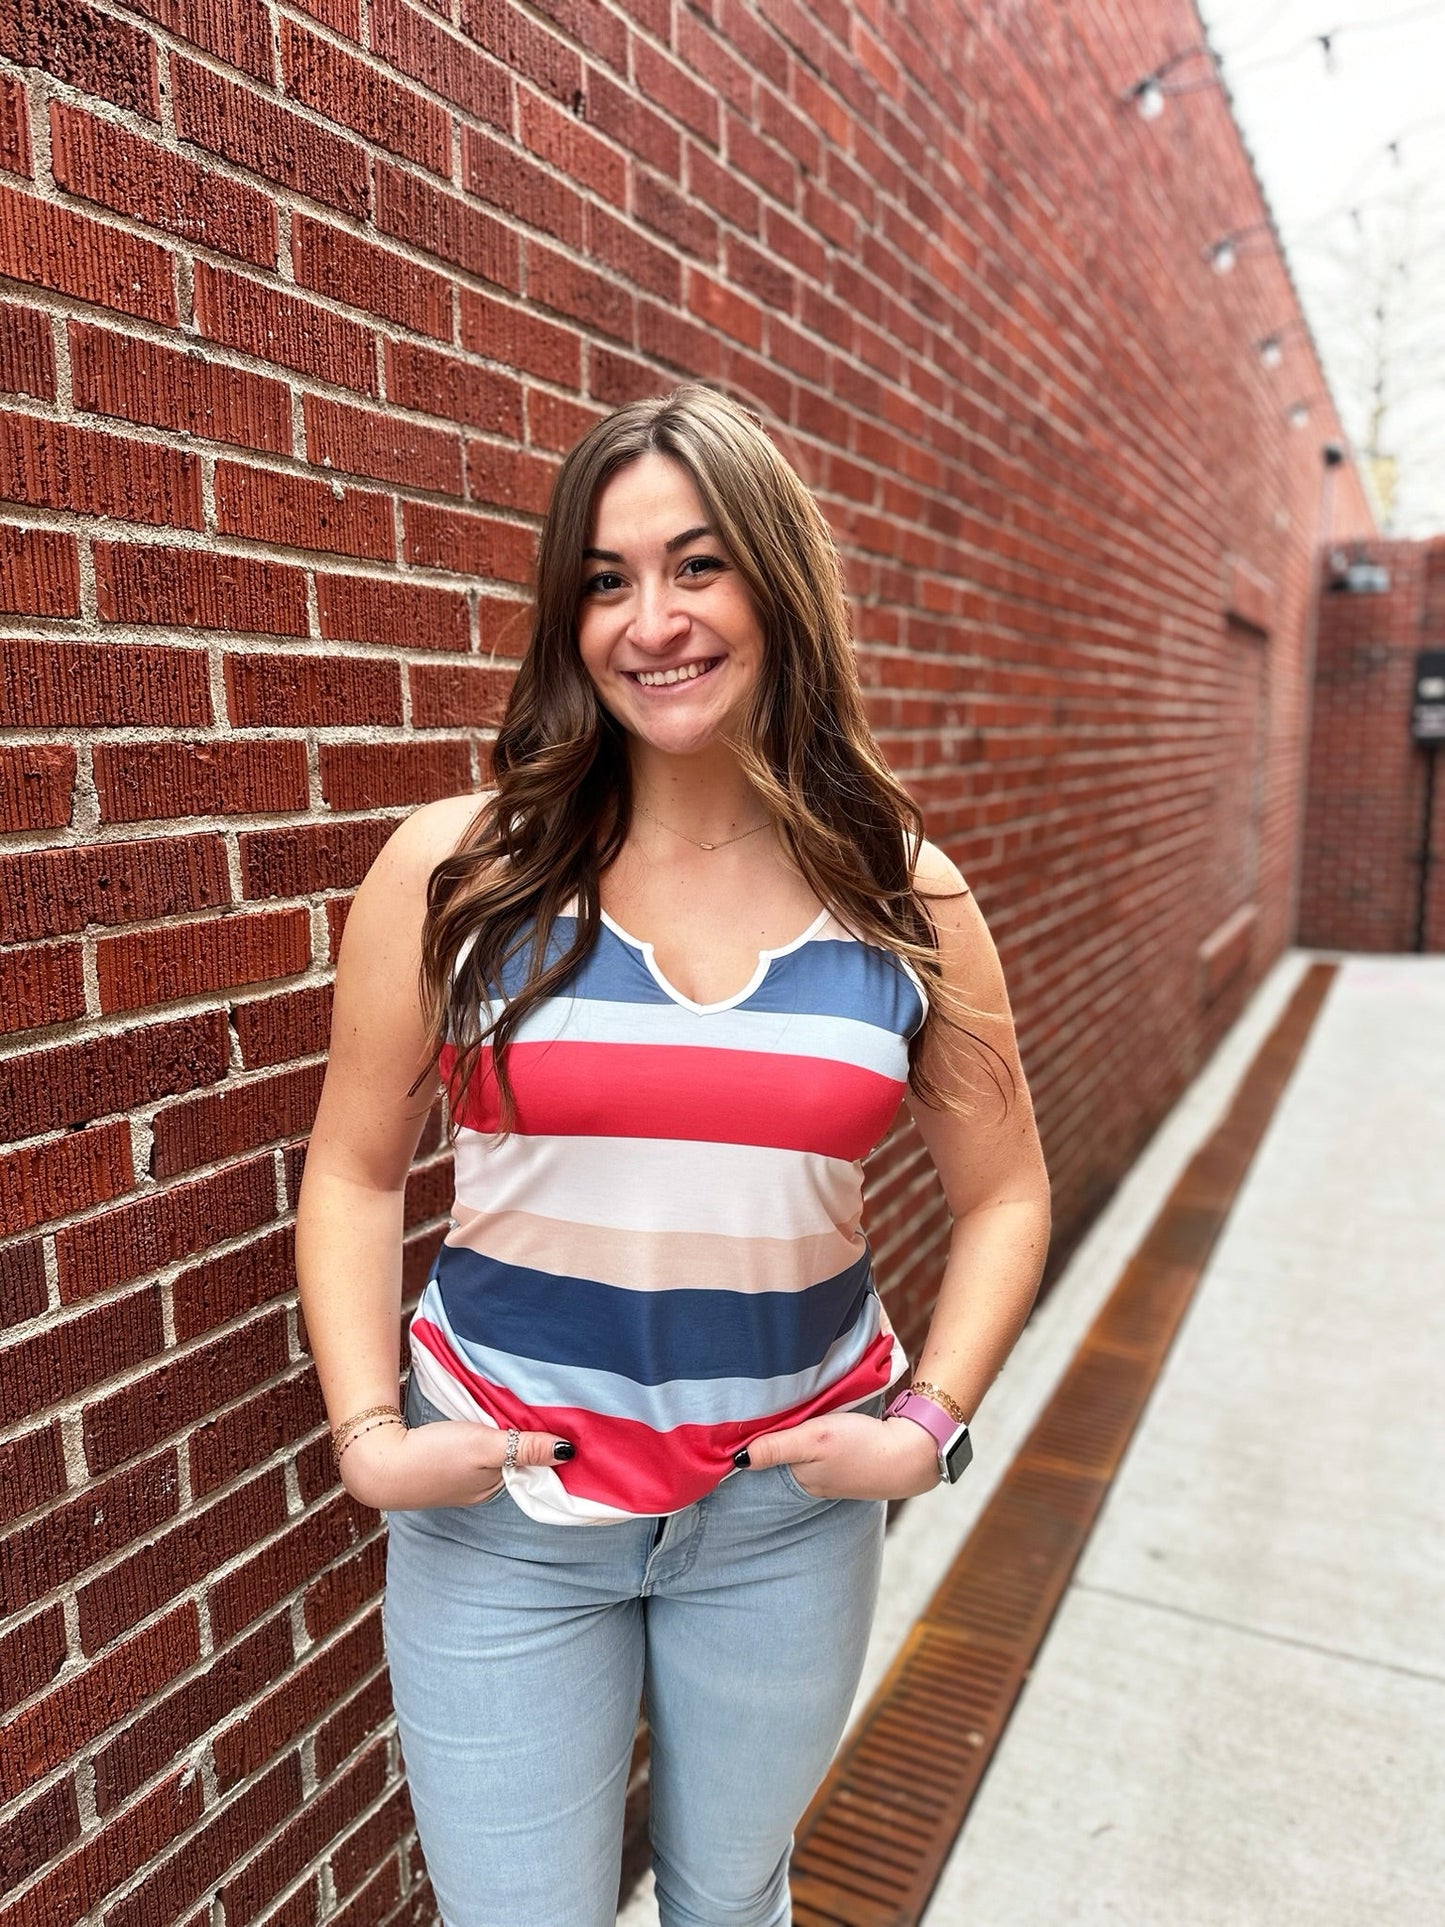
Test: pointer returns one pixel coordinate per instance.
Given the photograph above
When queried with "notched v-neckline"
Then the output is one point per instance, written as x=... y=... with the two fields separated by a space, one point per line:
x=760 y=969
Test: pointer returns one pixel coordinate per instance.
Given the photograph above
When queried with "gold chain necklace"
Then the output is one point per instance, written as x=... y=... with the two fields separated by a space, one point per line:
x=697 y=842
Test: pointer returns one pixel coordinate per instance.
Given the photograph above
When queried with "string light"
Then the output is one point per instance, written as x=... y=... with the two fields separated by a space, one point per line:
x=1224 y=253
x=1148 y=95
x=1270 y=347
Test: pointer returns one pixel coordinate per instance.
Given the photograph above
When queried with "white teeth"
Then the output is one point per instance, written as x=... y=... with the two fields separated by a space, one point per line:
x=660 y=678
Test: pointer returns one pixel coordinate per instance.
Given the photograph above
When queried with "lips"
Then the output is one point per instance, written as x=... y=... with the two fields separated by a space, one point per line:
x=677 y=674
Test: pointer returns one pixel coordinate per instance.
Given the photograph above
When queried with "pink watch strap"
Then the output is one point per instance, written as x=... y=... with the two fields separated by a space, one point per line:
x=924 y=1412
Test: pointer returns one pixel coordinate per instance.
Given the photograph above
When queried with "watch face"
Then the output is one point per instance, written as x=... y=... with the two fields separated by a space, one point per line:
x=958 y=1455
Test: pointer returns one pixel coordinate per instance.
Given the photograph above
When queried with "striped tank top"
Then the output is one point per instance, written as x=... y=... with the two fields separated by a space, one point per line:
x=665 y=1259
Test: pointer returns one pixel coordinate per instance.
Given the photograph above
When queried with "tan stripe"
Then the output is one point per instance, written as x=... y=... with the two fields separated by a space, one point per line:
x=656 y=1260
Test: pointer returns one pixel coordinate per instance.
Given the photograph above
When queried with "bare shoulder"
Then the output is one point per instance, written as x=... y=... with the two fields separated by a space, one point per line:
x=940 y=883
x=387 y=913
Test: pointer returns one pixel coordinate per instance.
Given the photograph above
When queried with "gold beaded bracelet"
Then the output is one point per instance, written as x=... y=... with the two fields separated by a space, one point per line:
x=936 y=1392
x=342 y=1435
x=360 y=1431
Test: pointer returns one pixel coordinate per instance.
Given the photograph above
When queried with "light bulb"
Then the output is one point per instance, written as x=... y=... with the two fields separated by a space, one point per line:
x=1150 y=96
x=1270 y=352
x=1223 y=257
x=1299 y=414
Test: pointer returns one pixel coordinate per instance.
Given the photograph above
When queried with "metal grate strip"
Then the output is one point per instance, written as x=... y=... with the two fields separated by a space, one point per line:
x=872 y=1844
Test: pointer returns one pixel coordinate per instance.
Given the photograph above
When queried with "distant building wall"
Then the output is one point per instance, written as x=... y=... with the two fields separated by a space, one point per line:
x=1365 y=826
x=300 y=303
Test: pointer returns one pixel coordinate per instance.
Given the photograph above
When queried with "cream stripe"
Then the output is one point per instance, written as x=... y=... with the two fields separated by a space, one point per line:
x=660 y=1184
x=656 y=1260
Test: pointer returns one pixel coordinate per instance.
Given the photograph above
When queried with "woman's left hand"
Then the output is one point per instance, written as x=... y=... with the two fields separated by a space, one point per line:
x=847 y=1455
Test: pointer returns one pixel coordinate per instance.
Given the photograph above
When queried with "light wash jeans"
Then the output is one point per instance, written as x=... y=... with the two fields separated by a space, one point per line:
x=519 y=1653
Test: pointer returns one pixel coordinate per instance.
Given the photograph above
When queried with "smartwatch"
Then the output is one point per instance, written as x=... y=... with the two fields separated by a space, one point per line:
x=955 y=1447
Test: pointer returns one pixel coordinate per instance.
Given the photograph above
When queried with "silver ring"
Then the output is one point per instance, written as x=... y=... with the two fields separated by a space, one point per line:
x=514 y=1441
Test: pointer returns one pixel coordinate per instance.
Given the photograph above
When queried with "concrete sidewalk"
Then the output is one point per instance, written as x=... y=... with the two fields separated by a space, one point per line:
x=1238 y=1716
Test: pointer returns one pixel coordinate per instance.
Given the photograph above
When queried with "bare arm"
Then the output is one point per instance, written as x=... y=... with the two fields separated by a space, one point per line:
x=349 y=1217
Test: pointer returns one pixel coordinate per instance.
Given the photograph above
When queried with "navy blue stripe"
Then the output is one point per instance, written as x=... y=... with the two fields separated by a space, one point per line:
x=649 y=1336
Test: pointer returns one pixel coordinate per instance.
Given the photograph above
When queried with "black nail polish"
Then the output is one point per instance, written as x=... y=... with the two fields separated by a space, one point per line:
x=741 y=1459
x=563 y=1450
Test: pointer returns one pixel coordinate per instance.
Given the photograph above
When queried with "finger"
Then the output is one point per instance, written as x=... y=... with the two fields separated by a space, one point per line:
x=542 y=1448
x=775 y=1448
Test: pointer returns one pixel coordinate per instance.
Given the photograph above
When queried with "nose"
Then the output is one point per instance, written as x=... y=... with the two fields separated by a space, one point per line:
x=657 y=623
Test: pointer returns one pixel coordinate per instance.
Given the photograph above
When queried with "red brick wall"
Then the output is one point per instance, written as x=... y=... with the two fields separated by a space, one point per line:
x=1365 y=823
x=300 y=304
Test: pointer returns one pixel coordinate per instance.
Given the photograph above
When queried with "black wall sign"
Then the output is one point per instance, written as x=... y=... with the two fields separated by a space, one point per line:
x=1427 y=718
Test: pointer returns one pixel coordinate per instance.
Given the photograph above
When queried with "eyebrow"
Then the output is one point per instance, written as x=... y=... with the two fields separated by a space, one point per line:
x=677 y=542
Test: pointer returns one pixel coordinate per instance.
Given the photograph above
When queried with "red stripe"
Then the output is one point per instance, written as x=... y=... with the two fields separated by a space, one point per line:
x=621 y=1462
x=690 y=1094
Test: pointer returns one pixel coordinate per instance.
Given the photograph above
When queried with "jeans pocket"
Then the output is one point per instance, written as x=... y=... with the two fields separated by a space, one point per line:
x=870 y=1408
x=417 y=1409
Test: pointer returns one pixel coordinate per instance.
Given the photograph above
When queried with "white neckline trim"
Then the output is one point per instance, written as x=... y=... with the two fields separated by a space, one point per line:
x=764 y=963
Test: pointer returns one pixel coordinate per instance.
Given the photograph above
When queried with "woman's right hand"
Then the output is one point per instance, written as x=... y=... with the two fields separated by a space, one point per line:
x=445 y=1462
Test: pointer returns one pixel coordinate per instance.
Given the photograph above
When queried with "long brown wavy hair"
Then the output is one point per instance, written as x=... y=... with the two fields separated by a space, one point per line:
x=562 y=804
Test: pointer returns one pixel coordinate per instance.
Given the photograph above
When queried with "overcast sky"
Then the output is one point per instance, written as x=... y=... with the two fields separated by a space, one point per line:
x=1319 y=140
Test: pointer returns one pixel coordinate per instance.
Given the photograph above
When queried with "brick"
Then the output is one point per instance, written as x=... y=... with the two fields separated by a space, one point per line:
x=139 y=782
x=172 y=1723
x=275 y=1030
x=523 y=47
x=27 y=352
x=324 y=1816
x=40 y=984
x=100 y=1521
x=469 y=544
x=259 y=320
x=285 y=1565
x=451 y=230
x=345 y=1732
x=623 y=117
x=423 y=50
x=73 y=1353
x=774 y=173
x=703 y=53
x=41 y=1182
x=553 y=422
x=364 y=99
x=360 y=441
x=229 y=1121
x=110 y=1856
x=318 y=691
x=44 y=684
x=563 y=142
x=39 y=573
x=659 y=206
x=345 y=268
x=256 y=133
x=32 y=1466
x=168 y=1563
x=368 y=776
x=48 y=246
x=179 y=1391
x=752 y=271
x=635 y=256
x=359 y=1852
x=318 y=1680
x=223 y=1287
x=102 y=162
x=722 y=190
x=38 y=1832
x=670 y=338
x=198 y=589
x=512 y=478
x=519 y=339
x=442 y=384
x=357 y=608
x=618 y=379
x=557 y=281
x=344 y=1588
x=222 y=1448
x=189 y=959
x=238 y=30
x=723 y=308
x=36 y=780
x=75 y=1082
x=23 y=1290
x=376 y=1900
x=458 y=695
x=229 y=1833
x=52 y=892
x=310 y=857
x=296 y=511
x=668 y=85
x=84 y=47
x=141 y=1237
x=505 y=178
x=114 y=374
x=53 y=465
x=31 y=1655
x=15 y=154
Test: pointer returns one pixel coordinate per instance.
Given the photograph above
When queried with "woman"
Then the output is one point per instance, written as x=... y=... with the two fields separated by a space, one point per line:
x=677 y=973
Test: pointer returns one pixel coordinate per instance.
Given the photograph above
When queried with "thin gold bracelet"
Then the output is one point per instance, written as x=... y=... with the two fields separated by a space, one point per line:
x=340 y=1433
x=371 y=1425
x=936 y=1392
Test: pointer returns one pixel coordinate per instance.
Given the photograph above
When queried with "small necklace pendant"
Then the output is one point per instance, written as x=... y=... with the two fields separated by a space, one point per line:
x=707 y=846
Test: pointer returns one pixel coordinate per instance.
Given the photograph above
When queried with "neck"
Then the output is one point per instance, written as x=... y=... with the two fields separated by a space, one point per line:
x=701 y=796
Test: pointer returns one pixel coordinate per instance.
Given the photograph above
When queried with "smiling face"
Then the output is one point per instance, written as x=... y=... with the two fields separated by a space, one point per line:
x=666 y=626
